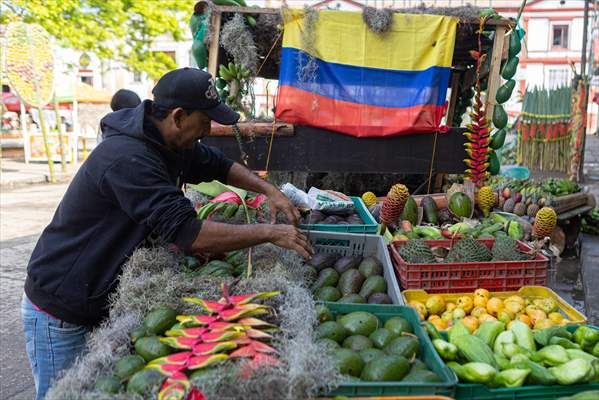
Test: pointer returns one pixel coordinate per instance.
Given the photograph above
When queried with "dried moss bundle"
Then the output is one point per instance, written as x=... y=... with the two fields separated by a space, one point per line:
x=378 y=20
x=237 y=40
x=152 y=277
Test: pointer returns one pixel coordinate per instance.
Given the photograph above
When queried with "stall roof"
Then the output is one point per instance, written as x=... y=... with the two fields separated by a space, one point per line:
x=83 y=93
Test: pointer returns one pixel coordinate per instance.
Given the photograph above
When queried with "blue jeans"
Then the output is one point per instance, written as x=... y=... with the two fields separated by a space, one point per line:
x=52 y=345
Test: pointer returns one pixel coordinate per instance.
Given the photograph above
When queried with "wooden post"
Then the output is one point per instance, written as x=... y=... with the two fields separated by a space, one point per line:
x=214 y=44
x=494 y=77
x=44 y=129
x=63 y=162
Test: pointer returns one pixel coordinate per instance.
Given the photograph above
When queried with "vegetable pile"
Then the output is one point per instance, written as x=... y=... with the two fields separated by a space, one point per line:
x=473 y=311
x=366 y=348
x=517 y=356
x=172 y=349
x=348 y=279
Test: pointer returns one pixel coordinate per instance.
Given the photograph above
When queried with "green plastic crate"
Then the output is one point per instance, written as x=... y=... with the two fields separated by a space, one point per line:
x=465 y=391
x=427 y=354
x=369 y=226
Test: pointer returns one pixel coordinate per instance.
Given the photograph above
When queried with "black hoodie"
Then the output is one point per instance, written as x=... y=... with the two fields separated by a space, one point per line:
x=129 y=187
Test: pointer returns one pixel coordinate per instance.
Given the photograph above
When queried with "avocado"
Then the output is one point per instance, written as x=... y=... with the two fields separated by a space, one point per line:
x=321 y=261
x=350 y=281
x=410 y=211
x=352 y=298
x=329 y=344
x=129 y=365
x=151 y=347
x=347 y=262
x=359 y=323
x=145 y=380
x=323 y=313
x=379 y=298
x=418 y=365
x=430 y=210
x=373 y=284
x=357 y=343
x=137 y=333
x=328 y=293
x=109 y=384
x=421 y=375
x=398 y=325
x=386 y=368
x=381 y=337
x=349 y=362
x=370 y=354
x=331 y=330
x=405 y=346
x=310 y=273
x=326 y=277
x=370 y=266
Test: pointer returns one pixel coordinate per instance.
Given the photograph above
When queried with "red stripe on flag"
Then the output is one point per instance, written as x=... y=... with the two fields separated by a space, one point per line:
x=296 y=106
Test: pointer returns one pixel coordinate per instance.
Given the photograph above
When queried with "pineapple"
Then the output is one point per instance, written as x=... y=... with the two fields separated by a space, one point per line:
x=369 y=199
x=486 y=200
x=394 y=204
x=532 y=210
x=509 y=204
x=520 y=209
x=545 y=222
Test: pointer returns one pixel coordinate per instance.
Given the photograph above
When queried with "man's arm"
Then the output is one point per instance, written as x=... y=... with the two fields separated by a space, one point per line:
x=218 y=238
x=241 y=177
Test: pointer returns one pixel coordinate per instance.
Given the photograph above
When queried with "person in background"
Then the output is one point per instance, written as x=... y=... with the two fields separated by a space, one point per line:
x=123 y=98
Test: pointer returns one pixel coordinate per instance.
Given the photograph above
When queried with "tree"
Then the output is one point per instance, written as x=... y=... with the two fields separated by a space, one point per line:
x=121 y=30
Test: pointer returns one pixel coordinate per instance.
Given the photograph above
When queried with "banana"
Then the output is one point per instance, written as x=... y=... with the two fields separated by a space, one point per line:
x=225 y=73
x=233 y=69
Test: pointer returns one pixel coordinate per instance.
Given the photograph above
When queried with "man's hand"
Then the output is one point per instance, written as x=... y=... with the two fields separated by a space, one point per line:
x=289 y=237
x=280 y=203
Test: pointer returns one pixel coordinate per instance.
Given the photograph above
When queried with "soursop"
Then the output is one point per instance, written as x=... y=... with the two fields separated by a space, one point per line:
x=469 y=250
x=417 y=252
x=506 y=249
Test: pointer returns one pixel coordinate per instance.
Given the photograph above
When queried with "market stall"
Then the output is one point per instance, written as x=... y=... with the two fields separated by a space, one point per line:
x=442 y=296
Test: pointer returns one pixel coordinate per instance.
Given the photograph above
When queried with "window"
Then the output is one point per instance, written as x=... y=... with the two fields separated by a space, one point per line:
x=136 y=76
x=558 y=77
x=88 y=79
x=560 y=36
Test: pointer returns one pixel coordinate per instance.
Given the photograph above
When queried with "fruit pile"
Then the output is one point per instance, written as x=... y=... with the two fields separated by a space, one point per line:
x=498 y=357
x=333 y=217
x=590 y=222
x=367 y=348
x=482 y=306
x=234 y=264
x=503 y=248
x=172 y=350
x=348 y=279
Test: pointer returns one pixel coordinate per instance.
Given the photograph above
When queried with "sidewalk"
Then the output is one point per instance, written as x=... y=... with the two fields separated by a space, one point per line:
x=16 y=173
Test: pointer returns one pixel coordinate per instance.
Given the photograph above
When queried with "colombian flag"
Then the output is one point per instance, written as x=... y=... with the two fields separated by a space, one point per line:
x=365 y=84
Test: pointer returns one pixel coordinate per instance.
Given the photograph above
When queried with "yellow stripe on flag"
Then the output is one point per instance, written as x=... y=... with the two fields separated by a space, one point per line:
x=415 y=42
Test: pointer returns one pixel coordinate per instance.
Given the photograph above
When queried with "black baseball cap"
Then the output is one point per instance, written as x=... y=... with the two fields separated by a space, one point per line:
x=192 y=89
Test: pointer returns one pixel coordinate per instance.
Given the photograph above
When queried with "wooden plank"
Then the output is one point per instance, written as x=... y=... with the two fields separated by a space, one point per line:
x=455 y=79
x=317 y=150
x=255 y=10
x=494 y=78
x=574 y=213
x=214 y=44
x=253 y=129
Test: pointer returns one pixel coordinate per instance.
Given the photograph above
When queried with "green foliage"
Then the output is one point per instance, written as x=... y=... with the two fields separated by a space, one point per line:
x=122 y=30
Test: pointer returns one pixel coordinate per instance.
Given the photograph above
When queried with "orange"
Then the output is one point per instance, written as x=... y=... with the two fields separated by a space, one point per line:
x=481 y=293
x=480 y=301
x=486 y=317
x=420 y=308
x=439 y=324
x=471 y=323
x=435 y=304
x=450 y=306
x=478 y=311
x=524 y=318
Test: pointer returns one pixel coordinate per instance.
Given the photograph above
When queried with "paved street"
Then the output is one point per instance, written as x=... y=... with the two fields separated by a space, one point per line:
x=24 y=213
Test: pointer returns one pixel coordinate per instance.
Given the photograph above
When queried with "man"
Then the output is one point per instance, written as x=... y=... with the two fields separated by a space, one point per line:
x=122 y=98
x=128 y=188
